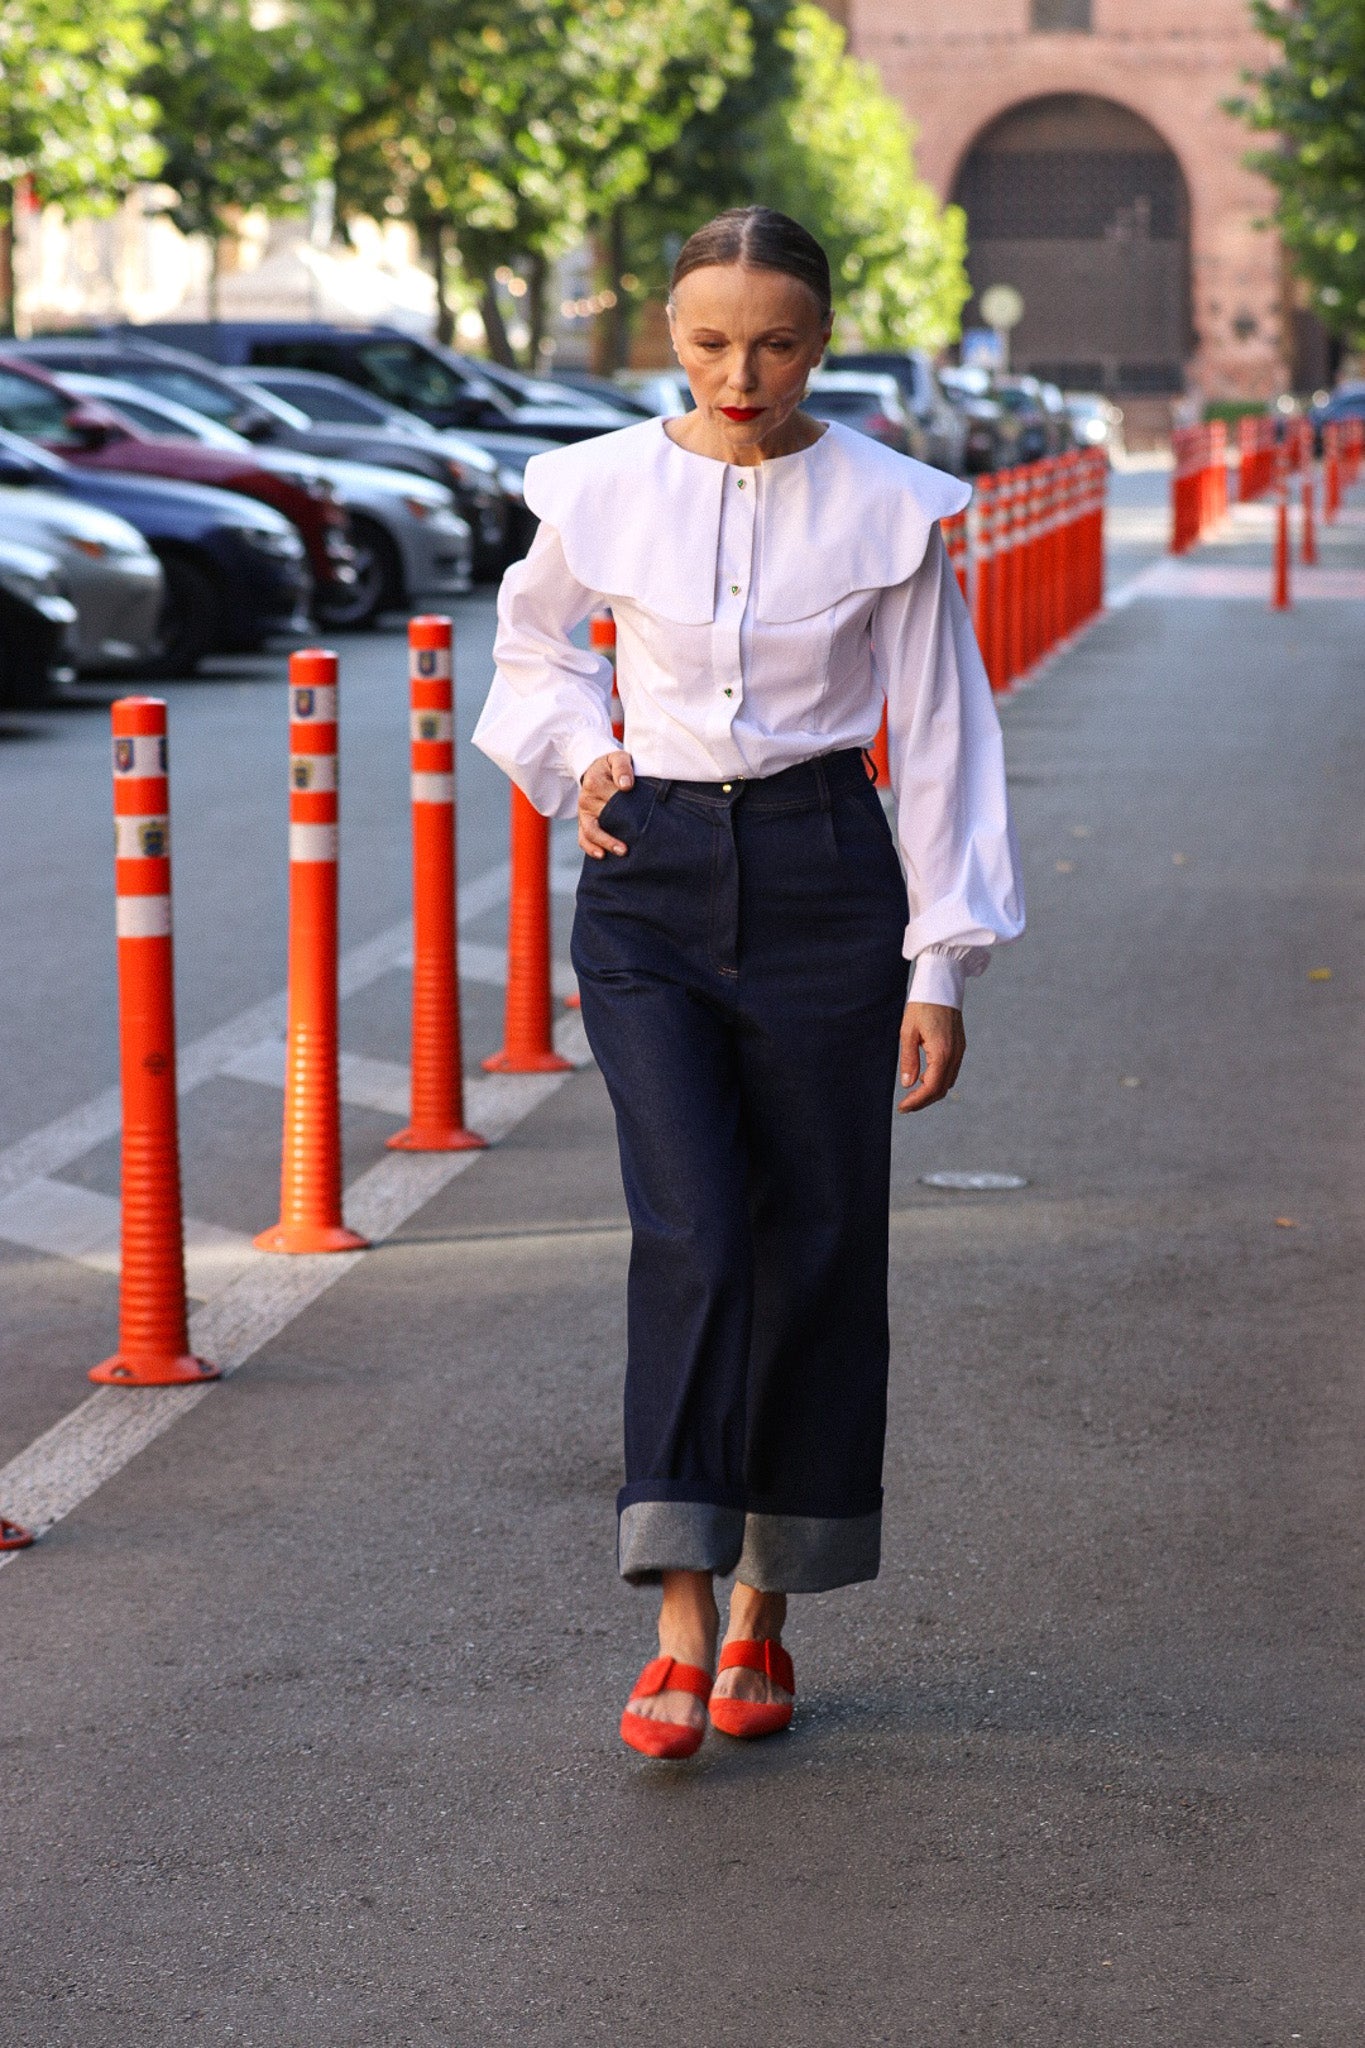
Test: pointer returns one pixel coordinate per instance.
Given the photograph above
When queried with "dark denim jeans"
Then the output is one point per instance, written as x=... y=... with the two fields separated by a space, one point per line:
x=742 y=985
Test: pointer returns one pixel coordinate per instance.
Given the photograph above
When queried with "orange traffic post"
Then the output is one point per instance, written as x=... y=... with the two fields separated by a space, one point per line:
x=981 y=518
x=436 y=1116
x=1331 y=476
x=153 y=1334
x=1308 y=540
x=13 y=1535
x=1280 y=599
x=310 y=1170
x=528 y=1046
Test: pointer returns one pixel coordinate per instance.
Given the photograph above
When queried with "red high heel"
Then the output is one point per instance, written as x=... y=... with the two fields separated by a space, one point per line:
x=755 y=1717
x=672 y=1740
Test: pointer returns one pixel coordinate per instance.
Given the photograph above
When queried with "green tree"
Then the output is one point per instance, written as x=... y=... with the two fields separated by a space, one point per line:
x=1312 y=98
x=246 y=105
x=509 y=129
x=71 y=119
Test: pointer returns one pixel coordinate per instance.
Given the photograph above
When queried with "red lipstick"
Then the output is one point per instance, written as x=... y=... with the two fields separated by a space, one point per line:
x=742 y=412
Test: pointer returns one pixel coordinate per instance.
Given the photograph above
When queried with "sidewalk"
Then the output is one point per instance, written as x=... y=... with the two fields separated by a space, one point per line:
x=309 y=1713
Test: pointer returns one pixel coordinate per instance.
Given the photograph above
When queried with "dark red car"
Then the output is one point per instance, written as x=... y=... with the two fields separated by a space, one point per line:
x=88 y=434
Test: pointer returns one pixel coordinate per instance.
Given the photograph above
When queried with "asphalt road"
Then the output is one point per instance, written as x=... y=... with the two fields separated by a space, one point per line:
x=309 y=1714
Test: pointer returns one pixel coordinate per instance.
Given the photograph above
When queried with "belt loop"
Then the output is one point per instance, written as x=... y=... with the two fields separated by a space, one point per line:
x=664 y=791
x=822 y=783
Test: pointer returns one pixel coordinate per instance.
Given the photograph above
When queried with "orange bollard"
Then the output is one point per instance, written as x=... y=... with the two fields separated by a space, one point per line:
x=13 y=1535
x=1308 y=542
x=528 y=1047
x=436 y=1117
x=153 y=1334
x=310 y=1171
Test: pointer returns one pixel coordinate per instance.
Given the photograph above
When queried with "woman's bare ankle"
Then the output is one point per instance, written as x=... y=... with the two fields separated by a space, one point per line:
x=755 y=1617
x=689 y=1620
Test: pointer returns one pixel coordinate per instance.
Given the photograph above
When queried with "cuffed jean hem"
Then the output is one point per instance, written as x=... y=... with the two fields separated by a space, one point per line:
x=772 y=1553
x=654 y=1536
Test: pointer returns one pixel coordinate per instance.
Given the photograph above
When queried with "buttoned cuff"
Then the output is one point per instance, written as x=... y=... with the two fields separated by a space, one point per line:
x=938 y=978
x=581 y=749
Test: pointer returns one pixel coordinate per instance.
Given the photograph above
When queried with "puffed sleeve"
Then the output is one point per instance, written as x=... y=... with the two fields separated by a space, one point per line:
x=548 y=714
x=948 y=781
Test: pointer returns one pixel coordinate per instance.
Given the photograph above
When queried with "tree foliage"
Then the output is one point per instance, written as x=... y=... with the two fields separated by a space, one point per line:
x=1312 y=98
x=518 y=125
x=71 y=117
x=246 y=104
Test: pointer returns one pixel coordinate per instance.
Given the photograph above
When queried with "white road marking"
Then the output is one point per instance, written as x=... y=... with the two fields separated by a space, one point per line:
x=70 y=1461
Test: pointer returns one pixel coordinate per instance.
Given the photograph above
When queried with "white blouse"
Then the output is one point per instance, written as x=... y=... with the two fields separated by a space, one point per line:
x=763 y=617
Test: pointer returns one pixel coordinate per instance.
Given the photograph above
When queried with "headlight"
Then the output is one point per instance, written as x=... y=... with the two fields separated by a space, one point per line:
x=286 y=547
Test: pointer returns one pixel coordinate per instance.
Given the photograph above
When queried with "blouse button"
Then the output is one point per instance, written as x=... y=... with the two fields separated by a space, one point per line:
x=740 y=482
x=734 y=590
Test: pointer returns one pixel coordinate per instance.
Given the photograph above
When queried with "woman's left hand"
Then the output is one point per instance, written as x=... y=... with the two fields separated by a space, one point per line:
x=935 y=1031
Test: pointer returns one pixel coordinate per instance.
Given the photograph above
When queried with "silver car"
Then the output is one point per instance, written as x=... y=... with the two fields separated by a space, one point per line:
x=104 y=566
x=412 y=546
x=37 y=626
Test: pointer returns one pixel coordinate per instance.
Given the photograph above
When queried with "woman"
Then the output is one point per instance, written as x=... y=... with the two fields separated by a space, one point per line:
x=743 y=931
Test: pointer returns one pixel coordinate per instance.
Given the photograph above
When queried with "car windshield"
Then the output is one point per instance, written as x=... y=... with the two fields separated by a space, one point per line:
x=33 y=409
x=408 y=376
x=1015 y=400
x=326 y=399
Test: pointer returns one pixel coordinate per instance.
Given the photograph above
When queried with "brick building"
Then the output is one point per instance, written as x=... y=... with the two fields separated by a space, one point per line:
x=1086 y=140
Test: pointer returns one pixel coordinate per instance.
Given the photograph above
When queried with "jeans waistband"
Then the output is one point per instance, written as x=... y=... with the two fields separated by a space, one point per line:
x=808 y=785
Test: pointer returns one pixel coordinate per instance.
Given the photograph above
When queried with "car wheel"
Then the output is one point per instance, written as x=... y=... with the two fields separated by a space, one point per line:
x=378 y=585
x=188 y=627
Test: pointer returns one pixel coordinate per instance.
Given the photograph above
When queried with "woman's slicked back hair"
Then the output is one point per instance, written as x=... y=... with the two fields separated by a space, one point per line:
x=764 y=239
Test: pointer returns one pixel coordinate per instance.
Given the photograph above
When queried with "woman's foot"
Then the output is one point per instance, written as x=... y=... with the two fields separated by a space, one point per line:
x=754 y=1618
x=688 y=1625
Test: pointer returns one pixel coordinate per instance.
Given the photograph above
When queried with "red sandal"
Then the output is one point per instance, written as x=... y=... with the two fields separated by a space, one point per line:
x=669 y=1739
x=755 y=1717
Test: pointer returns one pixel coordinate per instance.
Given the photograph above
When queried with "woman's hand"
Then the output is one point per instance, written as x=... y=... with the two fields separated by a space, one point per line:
x=608 y=773
x=935 y=1031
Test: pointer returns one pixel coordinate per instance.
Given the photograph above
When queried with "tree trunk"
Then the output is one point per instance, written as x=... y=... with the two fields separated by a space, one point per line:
x=499 y=347
x=7 y=294
x=618 y=330
x=536 y=285
x=215 y=274
x=431 y=235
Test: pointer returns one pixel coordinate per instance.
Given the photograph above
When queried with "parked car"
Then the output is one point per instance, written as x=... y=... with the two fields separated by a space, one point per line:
x=939 y=434
x=1095 y=421
x=344 y=421
x=235 y=570
x=104 y=566
x=1061 y=437
x=991 y=432
x=1347 y=402
x=666 y=394
x=867 y=400
x=411 y=545
x=439 y=385
x=37 y=626
x=536 y=399
x=1022 y=398
x=606 y=389
x=33 y=403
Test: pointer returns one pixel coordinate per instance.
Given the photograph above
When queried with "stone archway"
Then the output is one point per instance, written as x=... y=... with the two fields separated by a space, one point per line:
x=1079 y=203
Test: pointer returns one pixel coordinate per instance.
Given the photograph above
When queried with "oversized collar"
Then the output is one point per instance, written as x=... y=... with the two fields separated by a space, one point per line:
x=639 y=519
